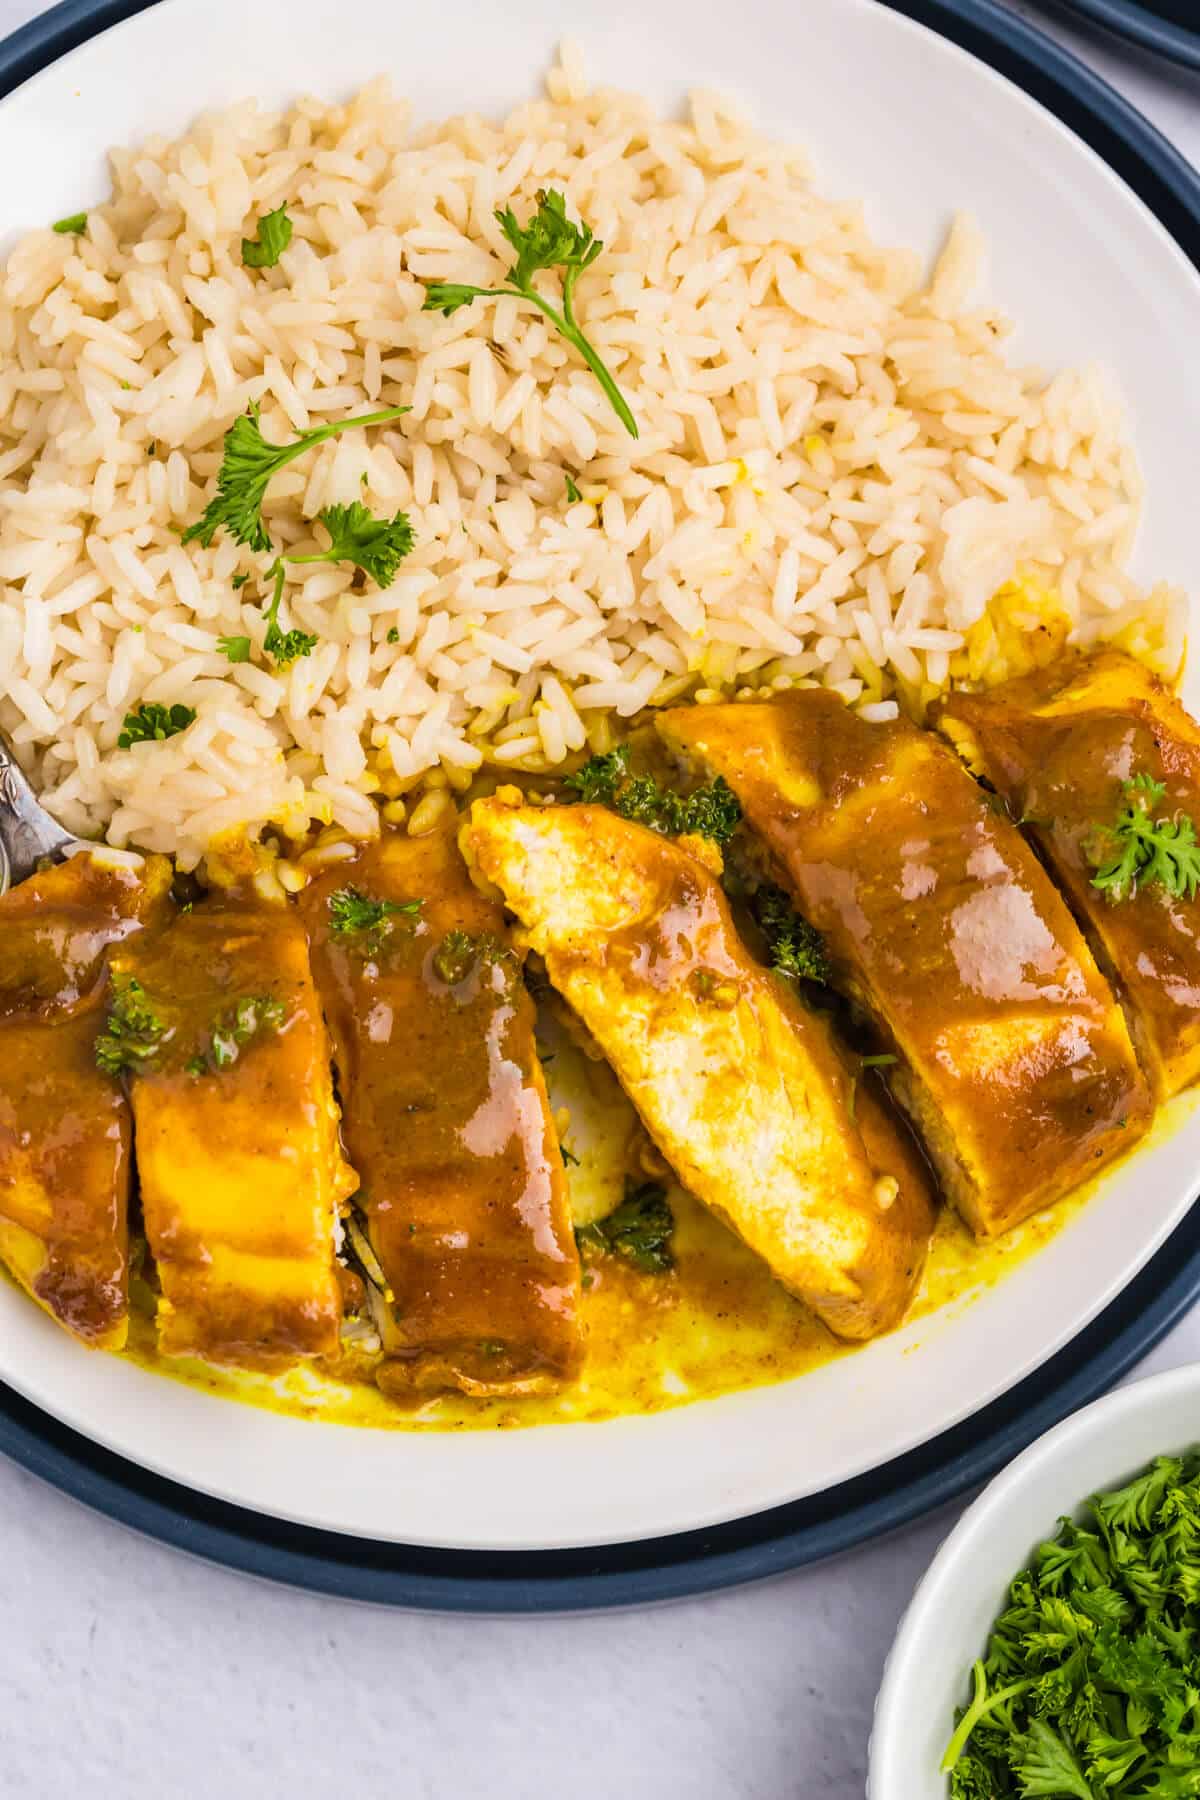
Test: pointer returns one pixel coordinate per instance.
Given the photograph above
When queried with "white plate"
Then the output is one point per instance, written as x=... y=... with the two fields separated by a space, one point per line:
x=890 y=112
x=953 y=1610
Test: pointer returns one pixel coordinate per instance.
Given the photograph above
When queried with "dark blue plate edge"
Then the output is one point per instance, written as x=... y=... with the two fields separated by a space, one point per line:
x=787 y=1537
x=1126 y=19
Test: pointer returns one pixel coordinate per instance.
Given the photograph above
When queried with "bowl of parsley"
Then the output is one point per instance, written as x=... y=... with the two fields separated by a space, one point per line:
x=1053 y=1646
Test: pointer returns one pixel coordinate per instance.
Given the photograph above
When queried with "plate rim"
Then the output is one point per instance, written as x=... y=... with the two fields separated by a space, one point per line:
x=787 y=1537
x=1130 y=20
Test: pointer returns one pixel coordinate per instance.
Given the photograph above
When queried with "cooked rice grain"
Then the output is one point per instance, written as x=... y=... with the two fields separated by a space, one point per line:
x=837 y=468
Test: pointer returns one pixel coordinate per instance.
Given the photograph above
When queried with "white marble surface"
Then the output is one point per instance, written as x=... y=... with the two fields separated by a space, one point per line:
x=131 y=1669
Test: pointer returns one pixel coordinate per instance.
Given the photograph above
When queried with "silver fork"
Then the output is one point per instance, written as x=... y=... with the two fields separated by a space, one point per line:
x=28 y=835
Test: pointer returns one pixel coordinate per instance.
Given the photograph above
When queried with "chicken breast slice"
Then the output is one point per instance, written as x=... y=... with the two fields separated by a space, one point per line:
x=447 y=1121
x=1060 y=745
x=941 y=924
x=740 y=1085
x=236 y=1135
x=64 y=1126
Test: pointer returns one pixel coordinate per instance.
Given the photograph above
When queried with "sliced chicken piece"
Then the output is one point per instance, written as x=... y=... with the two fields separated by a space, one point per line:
x=447 y=1120
x=236 y=1134
x=1059 y=746
x=739 y=1084
x=64 y=1125
x=1016 y=1063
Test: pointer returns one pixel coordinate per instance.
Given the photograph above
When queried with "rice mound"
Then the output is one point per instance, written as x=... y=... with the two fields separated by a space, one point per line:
x=836 y=475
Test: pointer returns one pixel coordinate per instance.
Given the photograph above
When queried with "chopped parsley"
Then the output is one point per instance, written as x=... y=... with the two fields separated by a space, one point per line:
x=712 y=811
x=1089 y=1684
x=393 y=636
x=235 y=649
x=376 y=546
x=549 y=241
x=1140 y=849
x=460 y=952
x=247 y=465
x=274 y=235
x=573 y=493
x=250 y=1017
x=353 y=914
x=797 y=948
x=151 y=723
x=639 y=1231
x=239 y=581
x=74 y=225
x=133 y=1032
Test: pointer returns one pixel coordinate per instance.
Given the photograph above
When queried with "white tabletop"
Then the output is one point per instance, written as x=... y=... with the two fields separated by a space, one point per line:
x=133 y=1670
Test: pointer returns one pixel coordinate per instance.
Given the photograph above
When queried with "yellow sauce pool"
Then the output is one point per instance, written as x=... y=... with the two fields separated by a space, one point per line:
x=719 y=1323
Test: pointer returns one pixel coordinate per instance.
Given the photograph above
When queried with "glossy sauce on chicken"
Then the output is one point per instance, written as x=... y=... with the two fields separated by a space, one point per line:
x=740 y=1086
x=445 y=1116
x=940 y=922
x=1060 y=747
x=65 y=1131
x=239 y=1161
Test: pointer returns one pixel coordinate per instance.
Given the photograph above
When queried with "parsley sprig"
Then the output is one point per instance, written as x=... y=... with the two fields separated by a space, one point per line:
x=353 y=914
x=711 y=811
x=376 y=546
x=797 y=948
x=274 y=235
x=549 y=241
x=1140 y=848
x=283 y=647
x=247 y=466
x=639 y=1231
x=1091 y=1683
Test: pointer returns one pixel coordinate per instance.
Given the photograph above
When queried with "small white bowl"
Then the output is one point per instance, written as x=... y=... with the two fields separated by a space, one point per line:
x=949 y=1617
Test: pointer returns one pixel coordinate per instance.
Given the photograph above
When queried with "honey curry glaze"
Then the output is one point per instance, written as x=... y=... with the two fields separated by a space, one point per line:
x=756 y=1037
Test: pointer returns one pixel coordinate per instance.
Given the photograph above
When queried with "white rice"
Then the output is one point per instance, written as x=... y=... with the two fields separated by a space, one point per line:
x=836 y=470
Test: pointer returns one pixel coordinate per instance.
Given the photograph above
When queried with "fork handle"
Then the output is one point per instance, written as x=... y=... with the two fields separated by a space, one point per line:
x=27 y=832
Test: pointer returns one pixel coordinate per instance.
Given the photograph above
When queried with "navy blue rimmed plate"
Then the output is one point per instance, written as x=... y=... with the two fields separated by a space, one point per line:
x=1168 y=27
x=789 y=1536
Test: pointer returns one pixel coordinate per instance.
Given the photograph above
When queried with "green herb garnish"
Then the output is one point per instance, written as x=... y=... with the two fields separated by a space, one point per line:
x=1089 y=1687
x=1140 y=848
x=284 y=647
x=797 y=948
x=393 y=636
x=376 y=546
x=573 y=493
x=236 y=649
x=354 y=914
x=133 y=1033
x=549 y=241
x=601 y=776
x=639 y=1231
x=152 y=723
x=239 y=581
x=247 y=466
x=274 y=235
x=711 y=811
x=234 y=1028
x=72 y=226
